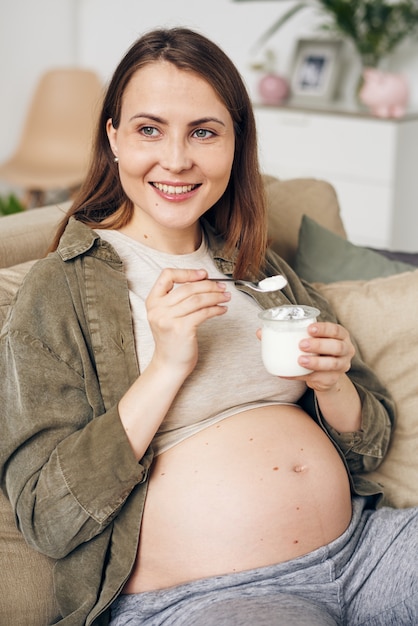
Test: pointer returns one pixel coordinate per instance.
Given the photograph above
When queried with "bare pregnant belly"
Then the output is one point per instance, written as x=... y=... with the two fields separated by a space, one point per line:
x=258 y=488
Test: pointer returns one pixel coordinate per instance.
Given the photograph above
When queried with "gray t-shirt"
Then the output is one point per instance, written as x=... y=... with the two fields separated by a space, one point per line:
x=229 y=376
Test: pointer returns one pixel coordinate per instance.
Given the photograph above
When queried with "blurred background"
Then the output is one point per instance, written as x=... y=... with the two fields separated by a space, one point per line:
x=37 y=35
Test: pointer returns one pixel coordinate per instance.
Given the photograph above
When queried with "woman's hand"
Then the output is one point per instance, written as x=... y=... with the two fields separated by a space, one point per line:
x=331 y=353
x=178 y=303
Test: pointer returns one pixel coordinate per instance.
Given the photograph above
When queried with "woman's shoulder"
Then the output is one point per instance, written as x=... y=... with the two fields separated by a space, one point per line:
x=45 y=274
x=76 y=240
x=43 y=288
x=54 y=269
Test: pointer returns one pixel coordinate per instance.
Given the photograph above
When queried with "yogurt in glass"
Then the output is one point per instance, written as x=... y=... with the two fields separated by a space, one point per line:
x=283 y=328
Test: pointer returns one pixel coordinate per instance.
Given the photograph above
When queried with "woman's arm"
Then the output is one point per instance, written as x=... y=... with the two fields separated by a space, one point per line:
x=176 y=306
x=66 y=465
x=329 y=352
x=69 y=458
x=342 y=383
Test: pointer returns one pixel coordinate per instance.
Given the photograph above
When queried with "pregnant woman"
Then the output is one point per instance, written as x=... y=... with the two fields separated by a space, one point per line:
x=144 y=445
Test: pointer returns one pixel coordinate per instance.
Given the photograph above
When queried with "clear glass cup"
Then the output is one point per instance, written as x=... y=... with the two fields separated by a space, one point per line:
x=283 y=328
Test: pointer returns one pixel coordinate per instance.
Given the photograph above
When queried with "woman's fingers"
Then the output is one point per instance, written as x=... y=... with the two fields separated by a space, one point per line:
x=169 y=277
x=328 y=354
x=184 y=292
x=178 y=303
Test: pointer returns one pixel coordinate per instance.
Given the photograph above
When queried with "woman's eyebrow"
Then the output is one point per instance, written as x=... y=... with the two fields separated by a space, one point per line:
x=161 y=120
x=207 y=120
x=148 y=116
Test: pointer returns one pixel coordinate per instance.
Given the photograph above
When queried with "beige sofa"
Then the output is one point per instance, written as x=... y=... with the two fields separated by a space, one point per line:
x=375 y=297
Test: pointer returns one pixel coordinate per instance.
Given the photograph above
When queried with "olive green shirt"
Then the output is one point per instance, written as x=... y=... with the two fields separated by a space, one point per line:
x=67 y=356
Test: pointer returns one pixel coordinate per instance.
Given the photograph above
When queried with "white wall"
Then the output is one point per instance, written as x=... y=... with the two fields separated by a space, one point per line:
x=234 y=26
x=38 y=34
x=33 y=35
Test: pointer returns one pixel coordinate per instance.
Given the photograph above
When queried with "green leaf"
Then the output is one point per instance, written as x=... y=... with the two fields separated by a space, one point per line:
x=375 y=27
x=278 y=24
x=10 y=205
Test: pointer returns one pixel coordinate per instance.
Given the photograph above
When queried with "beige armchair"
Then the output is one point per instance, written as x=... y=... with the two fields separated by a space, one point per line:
x=54 y=146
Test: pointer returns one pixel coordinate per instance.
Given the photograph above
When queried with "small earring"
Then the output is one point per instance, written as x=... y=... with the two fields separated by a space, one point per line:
x=116 y=159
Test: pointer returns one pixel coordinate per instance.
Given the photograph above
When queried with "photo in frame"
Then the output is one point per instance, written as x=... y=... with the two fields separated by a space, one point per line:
x=315 y=70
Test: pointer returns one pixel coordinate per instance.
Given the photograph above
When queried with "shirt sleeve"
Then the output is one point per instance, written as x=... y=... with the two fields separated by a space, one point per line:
x=66 y=464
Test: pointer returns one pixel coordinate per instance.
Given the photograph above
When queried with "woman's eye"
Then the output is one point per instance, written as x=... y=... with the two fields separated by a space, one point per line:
x=203 y=133
x=149 y=131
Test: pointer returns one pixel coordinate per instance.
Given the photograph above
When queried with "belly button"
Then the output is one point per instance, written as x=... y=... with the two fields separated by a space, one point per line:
x=300 y=468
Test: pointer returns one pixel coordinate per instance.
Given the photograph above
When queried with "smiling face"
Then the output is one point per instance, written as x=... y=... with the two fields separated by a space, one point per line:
x=175 y=145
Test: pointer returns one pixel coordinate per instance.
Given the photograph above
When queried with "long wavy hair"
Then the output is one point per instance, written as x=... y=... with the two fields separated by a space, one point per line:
x=240 y=214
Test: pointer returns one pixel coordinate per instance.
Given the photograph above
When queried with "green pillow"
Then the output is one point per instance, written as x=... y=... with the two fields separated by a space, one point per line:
x=324 y=257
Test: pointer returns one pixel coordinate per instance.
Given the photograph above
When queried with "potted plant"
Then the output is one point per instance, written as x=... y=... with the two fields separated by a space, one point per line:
x=374 y=27
x=10 y=205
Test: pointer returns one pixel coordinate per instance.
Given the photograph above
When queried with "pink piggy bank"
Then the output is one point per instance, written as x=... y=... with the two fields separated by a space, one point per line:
x=273 y=89
x=384 y=93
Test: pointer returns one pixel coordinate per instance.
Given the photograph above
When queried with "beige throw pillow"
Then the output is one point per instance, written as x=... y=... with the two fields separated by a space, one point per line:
x=289 y=200
x=381 y=314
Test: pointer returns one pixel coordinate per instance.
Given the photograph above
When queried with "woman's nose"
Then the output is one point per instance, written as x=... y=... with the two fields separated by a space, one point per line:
x=176 y=155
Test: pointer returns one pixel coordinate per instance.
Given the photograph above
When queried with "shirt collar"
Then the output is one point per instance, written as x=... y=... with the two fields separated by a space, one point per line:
x=78 y=239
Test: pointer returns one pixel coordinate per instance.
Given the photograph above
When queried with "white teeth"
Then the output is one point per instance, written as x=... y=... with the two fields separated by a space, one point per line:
x=171 y=189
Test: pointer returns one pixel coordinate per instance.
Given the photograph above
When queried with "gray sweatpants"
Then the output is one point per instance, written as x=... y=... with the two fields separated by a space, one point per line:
x=369 y=575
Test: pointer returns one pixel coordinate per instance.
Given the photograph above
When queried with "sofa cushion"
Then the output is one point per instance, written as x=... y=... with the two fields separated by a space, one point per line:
x=323 y=256
x=289 y=200
x=28 y=235
x=381 y=315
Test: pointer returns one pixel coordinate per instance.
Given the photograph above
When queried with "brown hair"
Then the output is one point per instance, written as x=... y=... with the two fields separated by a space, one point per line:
x=239 y=215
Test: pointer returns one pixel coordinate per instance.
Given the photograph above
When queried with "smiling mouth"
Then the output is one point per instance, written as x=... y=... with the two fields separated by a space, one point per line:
x=174 y=189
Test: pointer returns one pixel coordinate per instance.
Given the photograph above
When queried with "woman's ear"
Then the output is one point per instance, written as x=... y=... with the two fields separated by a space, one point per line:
x=111 y=135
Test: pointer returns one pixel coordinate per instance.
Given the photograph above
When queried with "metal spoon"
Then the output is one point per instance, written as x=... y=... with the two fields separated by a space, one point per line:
x=271 y=283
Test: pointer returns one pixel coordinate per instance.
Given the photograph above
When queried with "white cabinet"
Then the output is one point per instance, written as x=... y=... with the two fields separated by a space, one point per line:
x=371 y=162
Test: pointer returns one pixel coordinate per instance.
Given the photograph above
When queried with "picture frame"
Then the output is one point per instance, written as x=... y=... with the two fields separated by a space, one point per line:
x=315 y=70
